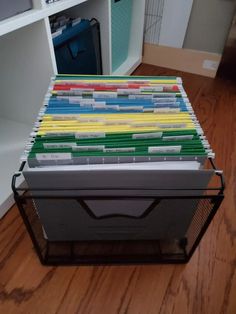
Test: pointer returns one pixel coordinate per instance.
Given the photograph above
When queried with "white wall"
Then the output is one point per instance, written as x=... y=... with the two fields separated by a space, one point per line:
x=209 y=25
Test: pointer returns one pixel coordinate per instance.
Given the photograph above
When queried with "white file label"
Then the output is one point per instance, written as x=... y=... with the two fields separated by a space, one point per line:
x=90 y=119
x=147 y=135
x=166 y=110
x=53 y=156
x=91 y=148
x=171 y=126
x=58 y=145
x=117 y=122
x=64 y=117
x=164 y=149
x=177 y=138
x=144 y=125
x=119 y=150
x=82 y=135
x=59 y=134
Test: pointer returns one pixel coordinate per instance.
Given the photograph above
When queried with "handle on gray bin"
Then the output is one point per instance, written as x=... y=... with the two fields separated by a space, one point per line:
x=94 y=216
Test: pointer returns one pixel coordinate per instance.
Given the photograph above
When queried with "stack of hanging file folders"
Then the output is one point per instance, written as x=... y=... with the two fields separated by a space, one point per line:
x=99 y=137
x=100 y=120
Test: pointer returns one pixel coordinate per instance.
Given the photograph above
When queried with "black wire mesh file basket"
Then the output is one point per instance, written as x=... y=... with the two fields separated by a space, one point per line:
x=173 y=247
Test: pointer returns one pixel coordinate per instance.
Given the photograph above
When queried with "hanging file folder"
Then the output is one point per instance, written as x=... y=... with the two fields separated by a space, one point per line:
x=77 y=48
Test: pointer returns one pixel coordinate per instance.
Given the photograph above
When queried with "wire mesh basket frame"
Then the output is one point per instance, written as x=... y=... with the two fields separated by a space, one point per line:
x=44 y=248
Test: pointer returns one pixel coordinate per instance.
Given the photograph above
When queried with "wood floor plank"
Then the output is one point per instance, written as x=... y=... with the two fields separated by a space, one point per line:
x=206 y=285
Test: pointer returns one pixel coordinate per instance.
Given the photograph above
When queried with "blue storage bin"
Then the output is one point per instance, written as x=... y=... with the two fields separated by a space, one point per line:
x=77 y=49
x=121 y=15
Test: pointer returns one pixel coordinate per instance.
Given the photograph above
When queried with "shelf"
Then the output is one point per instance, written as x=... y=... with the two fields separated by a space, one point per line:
x=61 y=5
x=28 y=62
x=20 y=20
x=13 y=137
x=34 y=15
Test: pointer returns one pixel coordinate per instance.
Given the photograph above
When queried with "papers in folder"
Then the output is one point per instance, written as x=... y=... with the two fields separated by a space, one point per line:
x=99 y=120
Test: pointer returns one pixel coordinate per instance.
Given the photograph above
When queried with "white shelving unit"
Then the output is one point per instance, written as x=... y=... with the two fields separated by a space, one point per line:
x=27 y=62
x=101 y=10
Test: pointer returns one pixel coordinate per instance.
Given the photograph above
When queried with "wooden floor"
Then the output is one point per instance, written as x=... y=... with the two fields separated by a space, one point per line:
x=206 y=285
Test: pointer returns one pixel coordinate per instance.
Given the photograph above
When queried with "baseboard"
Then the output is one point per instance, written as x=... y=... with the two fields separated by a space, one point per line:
x=192 y=61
